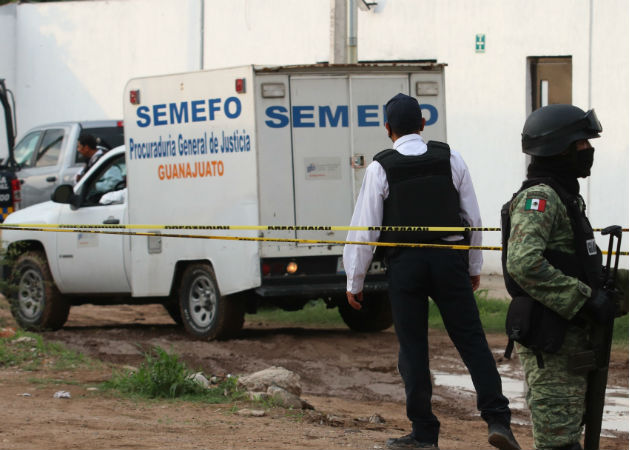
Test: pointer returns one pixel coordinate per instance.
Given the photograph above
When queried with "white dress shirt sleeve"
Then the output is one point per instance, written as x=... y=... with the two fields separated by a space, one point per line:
x=368 y=211
x=469 y=208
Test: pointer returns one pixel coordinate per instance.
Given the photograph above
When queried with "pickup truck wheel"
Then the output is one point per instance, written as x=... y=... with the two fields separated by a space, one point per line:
x=36 y=303
x=375 y=315
x=205 y=312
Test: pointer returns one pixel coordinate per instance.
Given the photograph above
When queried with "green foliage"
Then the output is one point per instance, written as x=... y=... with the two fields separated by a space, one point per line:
x=492 y=312
x=620 y=332
x=8 y=257
x=314 y=313
x=33 y=352
x=163 y=375
x=52 y=381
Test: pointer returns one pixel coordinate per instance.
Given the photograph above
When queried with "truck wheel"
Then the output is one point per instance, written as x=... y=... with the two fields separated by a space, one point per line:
x=36 y=303
x=375 y=315
x=205 y=312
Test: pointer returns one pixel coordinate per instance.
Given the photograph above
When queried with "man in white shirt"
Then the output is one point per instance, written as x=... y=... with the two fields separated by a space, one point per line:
x=426 y=185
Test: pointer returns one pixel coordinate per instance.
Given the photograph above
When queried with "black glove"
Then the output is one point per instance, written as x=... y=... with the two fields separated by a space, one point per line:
x=599 y=307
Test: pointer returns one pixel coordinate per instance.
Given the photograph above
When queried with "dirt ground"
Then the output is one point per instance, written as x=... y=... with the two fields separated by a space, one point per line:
x=346 y=376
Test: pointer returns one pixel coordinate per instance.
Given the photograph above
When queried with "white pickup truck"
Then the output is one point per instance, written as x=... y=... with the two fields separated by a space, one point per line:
x=52 y=271
x=272 y=148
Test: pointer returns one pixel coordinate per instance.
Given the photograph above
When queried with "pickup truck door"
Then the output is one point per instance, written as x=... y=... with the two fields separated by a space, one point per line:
x=40 y=173
x=94 y=262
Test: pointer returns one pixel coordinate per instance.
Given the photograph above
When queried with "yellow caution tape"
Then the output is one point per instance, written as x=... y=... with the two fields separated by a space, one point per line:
x=252 y=227
x=94 y=229
x=259 y=227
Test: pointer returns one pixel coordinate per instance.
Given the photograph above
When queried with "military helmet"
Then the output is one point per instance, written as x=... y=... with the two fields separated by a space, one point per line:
x=550 y=130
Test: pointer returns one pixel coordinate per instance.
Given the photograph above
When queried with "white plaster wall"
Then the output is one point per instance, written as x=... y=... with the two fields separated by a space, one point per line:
x=74 y=58
x=7 y=61
x=610 y=95
x=270 y=32
x=486 y=95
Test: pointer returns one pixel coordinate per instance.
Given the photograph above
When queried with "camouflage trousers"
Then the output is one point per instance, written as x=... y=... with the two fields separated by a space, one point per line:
x=555 y=396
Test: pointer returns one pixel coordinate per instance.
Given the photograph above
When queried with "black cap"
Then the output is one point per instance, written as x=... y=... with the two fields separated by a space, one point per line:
x=403 y=114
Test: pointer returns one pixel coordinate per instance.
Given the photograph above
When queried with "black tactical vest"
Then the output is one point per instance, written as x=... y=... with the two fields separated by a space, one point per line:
x=585 y=265
x=421 y=193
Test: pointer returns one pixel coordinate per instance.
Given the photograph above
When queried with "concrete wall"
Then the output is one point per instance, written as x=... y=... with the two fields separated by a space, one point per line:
x=74 y=58
x=70 y=60
x=269 y=32
x=8 y=62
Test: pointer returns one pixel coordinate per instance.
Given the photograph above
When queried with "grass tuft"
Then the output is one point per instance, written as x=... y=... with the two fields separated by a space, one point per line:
x=314 y=313
x=29 y=351
x=163 y=375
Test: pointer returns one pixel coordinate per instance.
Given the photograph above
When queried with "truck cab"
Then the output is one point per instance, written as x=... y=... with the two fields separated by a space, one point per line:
x=54 y=270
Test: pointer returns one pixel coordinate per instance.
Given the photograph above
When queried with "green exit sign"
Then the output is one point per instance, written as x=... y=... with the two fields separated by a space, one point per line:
x=480 y=43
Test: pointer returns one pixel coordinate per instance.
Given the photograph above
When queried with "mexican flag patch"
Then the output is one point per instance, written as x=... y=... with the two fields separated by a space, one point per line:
x=535 y=204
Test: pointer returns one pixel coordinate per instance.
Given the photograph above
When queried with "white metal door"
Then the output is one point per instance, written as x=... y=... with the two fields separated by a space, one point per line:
x=369 y=94
x=428 y=88
x=321 y=153
x=90 y=262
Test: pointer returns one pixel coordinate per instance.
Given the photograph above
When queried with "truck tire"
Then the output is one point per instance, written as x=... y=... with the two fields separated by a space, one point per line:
x=375 y=315
x=207 y=314
x=36 y=303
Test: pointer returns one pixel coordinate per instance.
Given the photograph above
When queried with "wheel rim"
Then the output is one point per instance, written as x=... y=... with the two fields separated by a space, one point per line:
x=202 y=299
x=31 y=295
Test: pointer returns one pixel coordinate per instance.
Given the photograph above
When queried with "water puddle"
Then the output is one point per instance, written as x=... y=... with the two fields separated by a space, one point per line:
x=615 y=410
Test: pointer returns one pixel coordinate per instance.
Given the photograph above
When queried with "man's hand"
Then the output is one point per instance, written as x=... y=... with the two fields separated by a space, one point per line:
x=355 y=299
x=475 y=281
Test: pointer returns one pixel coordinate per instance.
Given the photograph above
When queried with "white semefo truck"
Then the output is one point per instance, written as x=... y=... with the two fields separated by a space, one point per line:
x=273 y=146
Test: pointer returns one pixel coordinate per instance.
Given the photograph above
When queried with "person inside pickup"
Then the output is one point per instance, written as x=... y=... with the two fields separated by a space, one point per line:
x=110 y=186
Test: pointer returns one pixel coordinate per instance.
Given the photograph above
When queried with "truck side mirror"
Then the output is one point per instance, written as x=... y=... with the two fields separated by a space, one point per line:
x=64 y=194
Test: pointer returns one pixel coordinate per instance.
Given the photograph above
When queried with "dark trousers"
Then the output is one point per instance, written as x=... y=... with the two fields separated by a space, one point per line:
x=414 y=274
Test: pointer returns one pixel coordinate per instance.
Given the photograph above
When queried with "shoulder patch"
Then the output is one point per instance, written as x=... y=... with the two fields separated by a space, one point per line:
x=535 y=204
x=537 y=194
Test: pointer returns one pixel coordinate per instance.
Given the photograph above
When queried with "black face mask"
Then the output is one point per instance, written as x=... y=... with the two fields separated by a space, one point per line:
x=582 y=162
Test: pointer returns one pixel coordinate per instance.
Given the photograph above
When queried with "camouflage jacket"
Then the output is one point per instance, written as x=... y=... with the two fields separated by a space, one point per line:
x=539 y=221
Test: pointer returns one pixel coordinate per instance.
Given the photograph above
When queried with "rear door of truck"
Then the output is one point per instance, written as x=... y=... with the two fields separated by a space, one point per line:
x=318 y=130
x=338 y=127
x=348 y=119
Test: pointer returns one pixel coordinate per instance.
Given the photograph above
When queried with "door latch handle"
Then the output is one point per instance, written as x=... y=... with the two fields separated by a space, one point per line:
x=357 y=161
x=111 y=221
x=51 y=179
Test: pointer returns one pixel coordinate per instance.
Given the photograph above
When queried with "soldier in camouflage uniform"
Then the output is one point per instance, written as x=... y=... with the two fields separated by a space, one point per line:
x=557 y=138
